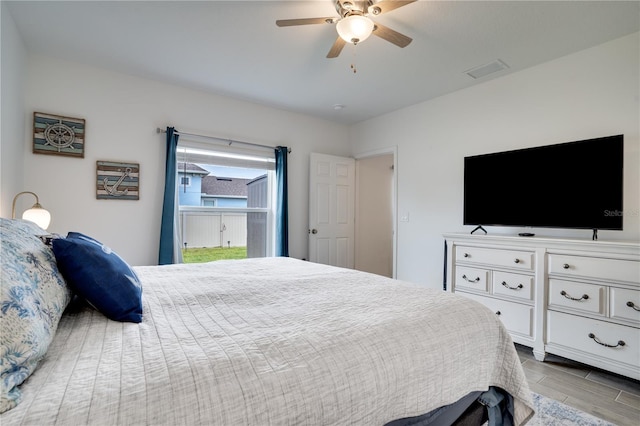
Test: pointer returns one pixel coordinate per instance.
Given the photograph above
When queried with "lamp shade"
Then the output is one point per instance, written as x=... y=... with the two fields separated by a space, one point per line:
x=35 y=214
x=38 y=215
x=354 y=28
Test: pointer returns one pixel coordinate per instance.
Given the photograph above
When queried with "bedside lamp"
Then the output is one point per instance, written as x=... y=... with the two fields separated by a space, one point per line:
x=36 y=214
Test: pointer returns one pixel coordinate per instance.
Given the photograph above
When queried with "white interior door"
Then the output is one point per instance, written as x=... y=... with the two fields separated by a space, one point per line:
x=331 y=210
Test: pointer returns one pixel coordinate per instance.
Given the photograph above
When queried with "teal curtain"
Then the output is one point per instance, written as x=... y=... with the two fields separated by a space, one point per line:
x=168 y=228
x=282 y=203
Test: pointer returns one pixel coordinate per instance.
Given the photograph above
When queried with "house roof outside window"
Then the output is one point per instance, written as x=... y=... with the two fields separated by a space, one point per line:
x=223 y=186
x=191 y=168
x=218 y=186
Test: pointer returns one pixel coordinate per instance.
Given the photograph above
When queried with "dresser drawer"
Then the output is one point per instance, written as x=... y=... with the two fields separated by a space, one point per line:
x=574 y=332
x=513 y=285
x=589 y=298
x=521 y=260
x=595 y=267
x=472 y=279
x=625 y=304
x=517 y=318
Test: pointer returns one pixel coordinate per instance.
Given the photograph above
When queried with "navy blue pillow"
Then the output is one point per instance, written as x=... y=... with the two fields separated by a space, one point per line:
x=100 y=276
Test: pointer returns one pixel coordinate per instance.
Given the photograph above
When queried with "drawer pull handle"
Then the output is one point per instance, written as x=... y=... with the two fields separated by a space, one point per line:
x=498 y=313
x=584 y=296
x=518 y=287
x=516 y=261
x=566 y=266
x=632 y=306
x=466 y=255
x=471 y=281
x=595 y=339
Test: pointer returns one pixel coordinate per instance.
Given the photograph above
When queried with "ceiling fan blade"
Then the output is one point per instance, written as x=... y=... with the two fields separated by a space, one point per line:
x=385 y=6
x=391 y=36
x=336 y=48
x=304 y=21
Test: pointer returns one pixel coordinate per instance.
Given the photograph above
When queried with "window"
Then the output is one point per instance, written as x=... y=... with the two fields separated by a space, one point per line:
x=226 y=211
x=185 y=180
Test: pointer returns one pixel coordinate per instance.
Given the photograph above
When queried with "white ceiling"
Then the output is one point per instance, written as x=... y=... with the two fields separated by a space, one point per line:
x=234 y=48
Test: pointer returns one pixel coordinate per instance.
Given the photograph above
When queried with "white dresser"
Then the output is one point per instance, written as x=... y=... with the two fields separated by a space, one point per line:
x=579 y=299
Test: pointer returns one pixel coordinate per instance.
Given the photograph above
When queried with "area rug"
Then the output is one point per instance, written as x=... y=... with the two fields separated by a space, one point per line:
x=550 y=412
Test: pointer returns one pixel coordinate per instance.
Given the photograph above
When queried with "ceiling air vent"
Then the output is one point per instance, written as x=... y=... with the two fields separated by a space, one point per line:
x=485 y=70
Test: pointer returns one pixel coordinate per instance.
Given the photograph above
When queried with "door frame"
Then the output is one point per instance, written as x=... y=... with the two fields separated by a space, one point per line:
x=394 y=196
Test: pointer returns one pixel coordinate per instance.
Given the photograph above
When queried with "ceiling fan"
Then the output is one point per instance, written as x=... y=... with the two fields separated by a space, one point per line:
x=354 y=24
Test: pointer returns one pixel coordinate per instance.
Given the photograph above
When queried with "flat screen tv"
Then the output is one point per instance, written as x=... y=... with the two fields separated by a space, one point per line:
x=568 y=185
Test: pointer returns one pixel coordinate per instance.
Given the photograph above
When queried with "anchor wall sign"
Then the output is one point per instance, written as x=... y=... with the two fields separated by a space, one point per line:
x=117 y=181
x=58 y=135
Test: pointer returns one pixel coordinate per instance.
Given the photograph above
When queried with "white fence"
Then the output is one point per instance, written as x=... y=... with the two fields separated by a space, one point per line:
x=213 y=229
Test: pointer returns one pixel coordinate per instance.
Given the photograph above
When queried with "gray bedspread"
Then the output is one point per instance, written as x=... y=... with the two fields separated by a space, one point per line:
x=273 y=341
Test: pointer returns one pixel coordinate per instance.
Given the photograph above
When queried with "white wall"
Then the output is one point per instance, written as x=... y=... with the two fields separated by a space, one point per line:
x=13 y=60
x=122 y=114
x=588 y=94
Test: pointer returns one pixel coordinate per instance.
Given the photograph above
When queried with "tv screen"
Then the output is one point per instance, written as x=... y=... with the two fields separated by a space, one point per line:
x=568 y=185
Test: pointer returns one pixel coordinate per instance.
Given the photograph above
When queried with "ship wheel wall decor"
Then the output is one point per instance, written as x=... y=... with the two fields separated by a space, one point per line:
x=58 y=135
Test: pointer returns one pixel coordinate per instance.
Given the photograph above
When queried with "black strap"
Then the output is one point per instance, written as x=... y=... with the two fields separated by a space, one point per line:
x=444 y=276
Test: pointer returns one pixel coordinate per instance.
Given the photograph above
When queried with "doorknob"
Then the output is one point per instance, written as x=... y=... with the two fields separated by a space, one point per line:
x=314 y=231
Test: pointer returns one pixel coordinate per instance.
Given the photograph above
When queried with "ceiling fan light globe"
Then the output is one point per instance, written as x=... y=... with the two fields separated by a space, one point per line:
x=354 y=28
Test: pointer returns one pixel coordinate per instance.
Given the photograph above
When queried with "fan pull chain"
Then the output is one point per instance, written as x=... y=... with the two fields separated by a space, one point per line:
x=353 y=63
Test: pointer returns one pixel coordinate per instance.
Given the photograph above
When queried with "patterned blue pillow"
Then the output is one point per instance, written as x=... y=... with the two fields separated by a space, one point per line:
x=100 y=276
x=33 y=296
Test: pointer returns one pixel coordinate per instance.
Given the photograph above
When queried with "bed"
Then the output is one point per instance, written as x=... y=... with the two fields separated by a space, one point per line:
x=270 y=341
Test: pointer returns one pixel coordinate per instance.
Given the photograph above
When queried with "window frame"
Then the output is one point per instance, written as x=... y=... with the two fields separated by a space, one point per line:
x=269 y=162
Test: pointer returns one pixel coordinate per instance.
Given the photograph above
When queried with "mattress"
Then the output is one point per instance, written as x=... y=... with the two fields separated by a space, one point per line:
x=271 y=341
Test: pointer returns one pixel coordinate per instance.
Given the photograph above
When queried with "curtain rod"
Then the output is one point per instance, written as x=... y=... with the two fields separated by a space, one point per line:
x=229 y=141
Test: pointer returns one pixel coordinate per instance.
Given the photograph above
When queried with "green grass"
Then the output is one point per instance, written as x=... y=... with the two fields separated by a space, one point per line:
x=200 y=255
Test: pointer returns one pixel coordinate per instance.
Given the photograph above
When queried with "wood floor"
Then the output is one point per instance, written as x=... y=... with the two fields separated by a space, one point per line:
x=605 y=395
